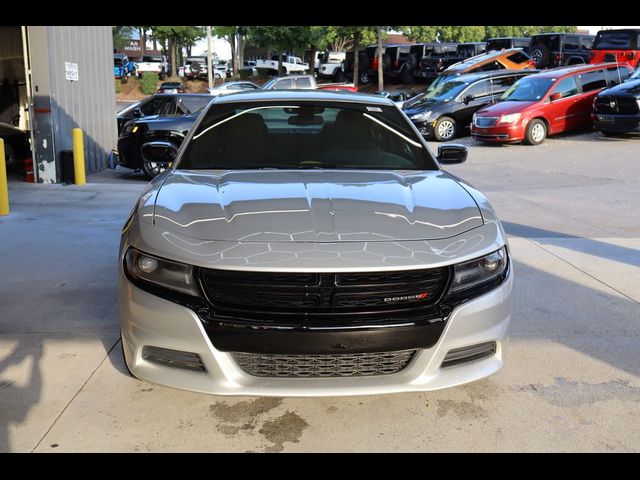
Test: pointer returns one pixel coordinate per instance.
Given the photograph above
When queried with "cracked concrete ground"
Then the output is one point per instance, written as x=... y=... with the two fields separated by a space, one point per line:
x=571 y=382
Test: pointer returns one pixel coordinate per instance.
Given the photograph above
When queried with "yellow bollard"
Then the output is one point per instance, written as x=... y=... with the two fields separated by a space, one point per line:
x=4 y=188
x=78 y=157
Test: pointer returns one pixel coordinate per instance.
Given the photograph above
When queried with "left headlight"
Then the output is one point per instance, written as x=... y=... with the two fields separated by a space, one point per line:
x=160 y=272
x=479 y=271
x=421 y=117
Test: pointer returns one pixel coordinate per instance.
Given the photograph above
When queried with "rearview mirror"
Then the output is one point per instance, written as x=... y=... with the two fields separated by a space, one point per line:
x=555 y=96
x=159 y=152
x=452 y=153
x=468 y=98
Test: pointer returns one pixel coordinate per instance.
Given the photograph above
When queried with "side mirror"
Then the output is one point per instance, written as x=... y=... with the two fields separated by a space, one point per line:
x=555 y=96
x=468 y=98
x=452 y=153
x=136 y=112
x=159 y=152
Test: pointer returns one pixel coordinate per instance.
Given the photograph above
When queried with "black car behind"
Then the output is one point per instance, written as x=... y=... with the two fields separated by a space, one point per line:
x=165 y=127
x=16 y=143
x=617 y=109
x=445 y=111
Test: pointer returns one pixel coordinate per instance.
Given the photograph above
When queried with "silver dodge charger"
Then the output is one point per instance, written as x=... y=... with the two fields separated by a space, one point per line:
x=307 y=243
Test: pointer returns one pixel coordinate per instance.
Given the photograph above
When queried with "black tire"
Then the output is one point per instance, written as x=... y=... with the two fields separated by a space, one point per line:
x=540 y=54
x=536 y=132
x=124 y=79
x=162 y=75
x=405 y=76
x=339 y=76
x=363 y=77
x=445 y=129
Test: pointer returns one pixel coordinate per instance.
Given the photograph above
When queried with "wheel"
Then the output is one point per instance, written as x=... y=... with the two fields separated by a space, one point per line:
x=363 y=77
x=445 y=129
x=536 y=132
x=405 y=76
x=339 y=76
x=162 y=75
x=540 y=55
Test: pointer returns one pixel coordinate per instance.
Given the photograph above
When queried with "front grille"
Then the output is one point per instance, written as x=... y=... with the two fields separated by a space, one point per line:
x=323 y=298
x=617 y=105
x=484 y=122
x=335 y=365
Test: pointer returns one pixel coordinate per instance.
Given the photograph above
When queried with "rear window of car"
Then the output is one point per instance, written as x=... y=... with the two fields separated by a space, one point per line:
x=518 y=57
x=593 y=80
x=188 y=105
x=303 y=82
x=615 y=41
x=571 y=42
x=305 y=135
x=617 y=75
x=552 y=42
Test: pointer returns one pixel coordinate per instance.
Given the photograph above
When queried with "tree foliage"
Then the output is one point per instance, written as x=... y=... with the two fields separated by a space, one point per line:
x=121 y=36
x=471 y=33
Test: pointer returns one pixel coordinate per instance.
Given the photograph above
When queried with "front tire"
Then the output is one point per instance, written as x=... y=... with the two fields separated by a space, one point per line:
x=364 y=77
x=445 y=129
x=153 y=169
x=536 y=132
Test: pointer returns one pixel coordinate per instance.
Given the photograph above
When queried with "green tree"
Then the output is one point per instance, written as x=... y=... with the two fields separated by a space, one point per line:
x=121 y=37
x=175 y=37
x=420 y=34
x=360 y=35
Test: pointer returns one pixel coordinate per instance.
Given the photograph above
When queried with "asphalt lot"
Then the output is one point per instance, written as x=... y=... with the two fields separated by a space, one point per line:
x=571 y=382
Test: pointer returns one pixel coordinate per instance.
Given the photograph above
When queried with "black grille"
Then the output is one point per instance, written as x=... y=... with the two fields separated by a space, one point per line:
x=314 y=298
x=336 y=365
x=617 y=105
x=484 y=122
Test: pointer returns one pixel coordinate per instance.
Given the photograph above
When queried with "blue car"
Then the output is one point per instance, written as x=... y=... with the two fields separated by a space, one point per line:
x=122 y=66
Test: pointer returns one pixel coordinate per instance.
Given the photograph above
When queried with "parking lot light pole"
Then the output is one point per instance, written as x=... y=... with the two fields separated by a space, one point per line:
x=78 y=157
x=209 y=69
x=4 y=189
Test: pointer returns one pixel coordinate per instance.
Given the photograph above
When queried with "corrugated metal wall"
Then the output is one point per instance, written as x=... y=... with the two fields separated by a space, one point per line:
x=88 y=103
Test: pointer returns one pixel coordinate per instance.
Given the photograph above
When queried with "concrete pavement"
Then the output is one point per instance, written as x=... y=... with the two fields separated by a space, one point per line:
x=571 y=382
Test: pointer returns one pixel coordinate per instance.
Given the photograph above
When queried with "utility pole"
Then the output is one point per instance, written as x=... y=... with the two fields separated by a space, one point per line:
x=209 y=53
x=380 y=72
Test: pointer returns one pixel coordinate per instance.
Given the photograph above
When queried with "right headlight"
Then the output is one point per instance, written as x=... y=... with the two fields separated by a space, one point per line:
x=421 y=117
x=479 y=271
x=160 y=272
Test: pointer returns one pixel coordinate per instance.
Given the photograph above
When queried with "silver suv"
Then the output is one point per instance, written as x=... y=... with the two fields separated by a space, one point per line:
x=308 y=243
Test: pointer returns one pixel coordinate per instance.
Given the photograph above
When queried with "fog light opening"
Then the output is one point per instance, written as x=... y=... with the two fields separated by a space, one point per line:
x=173 y=358
x=472 y=353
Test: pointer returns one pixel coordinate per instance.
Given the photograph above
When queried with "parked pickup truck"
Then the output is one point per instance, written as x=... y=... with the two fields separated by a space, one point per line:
x=154 y=64
x=122 y=67
x=332 y=67
x=306 y=82
x=289 y=65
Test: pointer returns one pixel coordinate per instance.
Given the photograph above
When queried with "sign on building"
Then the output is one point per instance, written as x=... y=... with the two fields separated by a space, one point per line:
x=71 y=71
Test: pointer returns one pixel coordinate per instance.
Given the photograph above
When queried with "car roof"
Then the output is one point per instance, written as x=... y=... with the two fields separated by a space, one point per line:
x=562 y=71
x=508 y=38
x=181 y=95
x=621 y=30
x=475 y=76
x=304 y=95
x=483 y=57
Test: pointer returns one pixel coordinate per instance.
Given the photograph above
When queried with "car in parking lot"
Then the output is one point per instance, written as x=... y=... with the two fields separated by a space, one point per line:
x=553 y=101
x=617 y=109
x=159 y=104
x=550 y=50
x=510 y=59
x=171 y=87
x=506 y=43
x=308 y=243
x=445 y=112
x=621 y=45
x=171 y=123
x=123 y=67
x=232 y=87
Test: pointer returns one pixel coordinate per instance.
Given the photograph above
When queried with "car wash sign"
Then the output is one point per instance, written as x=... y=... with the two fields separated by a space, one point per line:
x=71 y=71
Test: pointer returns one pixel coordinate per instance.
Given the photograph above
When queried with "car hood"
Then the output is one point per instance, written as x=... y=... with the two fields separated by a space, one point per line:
x=630 y=87
x=314 y=205
x=504 y=108
x=6 y=129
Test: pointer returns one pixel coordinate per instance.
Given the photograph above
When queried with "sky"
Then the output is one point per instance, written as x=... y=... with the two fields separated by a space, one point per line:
x=223 y=49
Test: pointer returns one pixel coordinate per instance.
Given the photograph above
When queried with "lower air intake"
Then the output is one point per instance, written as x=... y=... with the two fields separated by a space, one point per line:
x=173 y=358
x=334 y=365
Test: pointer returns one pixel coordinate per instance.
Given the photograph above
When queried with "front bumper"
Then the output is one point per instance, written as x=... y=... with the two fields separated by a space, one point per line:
x=128 y=153
x=616 y=123
x=149 y=320
x=500 y=134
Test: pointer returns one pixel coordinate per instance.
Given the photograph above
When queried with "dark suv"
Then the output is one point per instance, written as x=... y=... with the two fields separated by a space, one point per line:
x=397 y=63
x=617 y=109
x=551 y=50
x=443 y=55
x=365 y=58
x=505 y=43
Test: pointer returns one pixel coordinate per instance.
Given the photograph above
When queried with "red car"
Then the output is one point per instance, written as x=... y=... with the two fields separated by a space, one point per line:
x=622 y=46
x=546 y=103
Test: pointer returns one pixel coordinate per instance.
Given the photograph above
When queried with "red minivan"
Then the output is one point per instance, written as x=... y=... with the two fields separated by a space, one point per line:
x=546 y=103
x=622 y=46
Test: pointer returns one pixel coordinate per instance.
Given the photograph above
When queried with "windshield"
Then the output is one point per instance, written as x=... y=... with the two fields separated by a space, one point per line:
x=270 y=83
x=635 y=76
x=444 y=91
x=305 y=135
x=528 y=89
x=614 y=41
